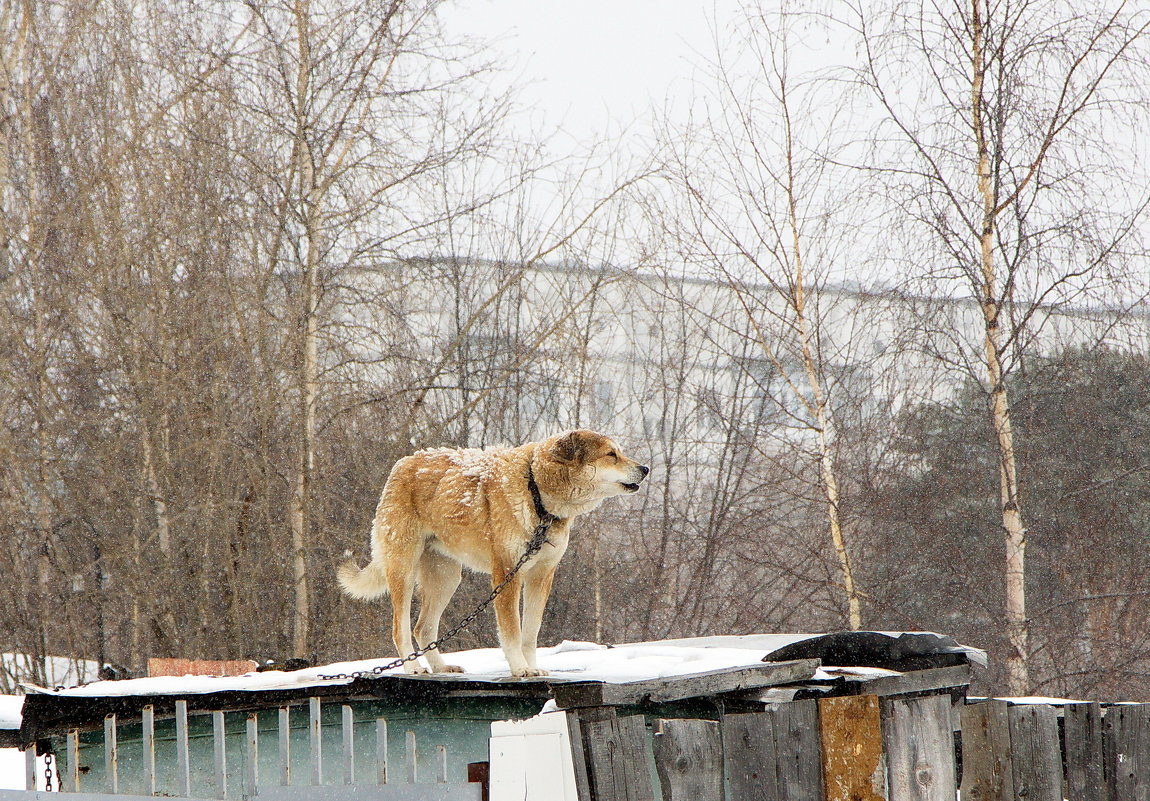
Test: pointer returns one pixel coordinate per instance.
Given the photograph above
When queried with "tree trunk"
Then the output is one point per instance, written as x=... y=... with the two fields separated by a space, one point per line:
x=308 y=375
x=1015 y=575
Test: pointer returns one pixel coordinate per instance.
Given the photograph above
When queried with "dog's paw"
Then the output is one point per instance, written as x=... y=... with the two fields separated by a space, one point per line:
x=412 y=669
x=450 y=669
x=528 y=673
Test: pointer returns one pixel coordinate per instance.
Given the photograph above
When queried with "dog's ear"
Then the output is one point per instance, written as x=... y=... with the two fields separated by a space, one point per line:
x=568 y=448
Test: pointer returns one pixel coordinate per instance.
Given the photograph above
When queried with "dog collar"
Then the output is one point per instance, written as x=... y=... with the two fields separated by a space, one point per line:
x=545 y=518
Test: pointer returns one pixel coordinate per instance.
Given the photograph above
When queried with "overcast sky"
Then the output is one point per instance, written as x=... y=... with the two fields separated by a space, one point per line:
x=594 y=67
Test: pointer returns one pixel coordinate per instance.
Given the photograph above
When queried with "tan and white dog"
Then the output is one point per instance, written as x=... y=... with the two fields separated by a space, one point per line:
x=444 y=508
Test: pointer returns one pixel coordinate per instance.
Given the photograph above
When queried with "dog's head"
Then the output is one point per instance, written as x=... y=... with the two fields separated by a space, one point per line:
x=595 y=466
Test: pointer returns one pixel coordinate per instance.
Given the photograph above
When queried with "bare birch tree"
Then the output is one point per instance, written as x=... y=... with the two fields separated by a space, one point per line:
x=754 y=179
x=1016 y=122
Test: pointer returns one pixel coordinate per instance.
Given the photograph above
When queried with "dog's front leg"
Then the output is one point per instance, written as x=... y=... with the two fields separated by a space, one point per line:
x=507 y=621
x=536 y=591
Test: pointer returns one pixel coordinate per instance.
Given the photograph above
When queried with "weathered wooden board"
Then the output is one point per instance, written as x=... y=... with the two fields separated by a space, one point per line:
x=1037 y=759
x=798 y=750
x=577 y=720
x=1085 y=777
x=987 y=766
x=569 y=695
x=917 y=681
x=689 y=760
x=617 y=759
x=749 y=755
x=854 y=767
x=919 y=745
x=1126 y=744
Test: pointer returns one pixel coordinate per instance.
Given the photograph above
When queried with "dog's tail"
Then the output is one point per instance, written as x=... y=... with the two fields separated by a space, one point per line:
x=363 y=584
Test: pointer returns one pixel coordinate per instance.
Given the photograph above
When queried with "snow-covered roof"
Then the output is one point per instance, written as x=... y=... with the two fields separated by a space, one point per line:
x=567 y=661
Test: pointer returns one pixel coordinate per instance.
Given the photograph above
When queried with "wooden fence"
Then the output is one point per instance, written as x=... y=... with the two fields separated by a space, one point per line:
x=866 y=748
x=234 y=776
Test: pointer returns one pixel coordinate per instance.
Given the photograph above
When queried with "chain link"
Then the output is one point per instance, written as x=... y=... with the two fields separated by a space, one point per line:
x=48 y=773
x=538 y=540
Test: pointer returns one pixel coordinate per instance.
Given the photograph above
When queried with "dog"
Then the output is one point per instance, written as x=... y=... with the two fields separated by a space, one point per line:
x=444 y=509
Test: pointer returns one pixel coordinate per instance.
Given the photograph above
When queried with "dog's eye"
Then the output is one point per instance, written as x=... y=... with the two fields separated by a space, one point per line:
x=613 y=455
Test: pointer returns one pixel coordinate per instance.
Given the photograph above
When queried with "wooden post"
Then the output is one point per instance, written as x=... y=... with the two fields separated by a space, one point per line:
x=1085 y=780
x=315 y=727
x=798 y=750
x=284 y=720
x=1126 y=740
x=441 y=764
x=30 y=768
x=348 y=726
x=111 y=756
x=689 y=759
x=412 y=756
x=252 y=756
x=381 y=751
x=854 y=768
x=919 y=744
x=1036 y=751
x=73 y=760
x=183 y=762
x=987 y=765
x=220 y=753
x=749 y=754
x=577 y=720
x=148 y=725
x=617 y=759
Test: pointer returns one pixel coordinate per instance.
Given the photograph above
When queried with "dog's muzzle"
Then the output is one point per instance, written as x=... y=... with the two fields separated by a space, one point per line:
x=635 y=487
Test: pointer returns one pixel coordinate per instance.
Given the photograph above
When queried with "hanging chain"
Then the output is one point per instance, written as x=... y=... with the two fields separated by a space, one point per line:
x=48 y=773
x=538 y=540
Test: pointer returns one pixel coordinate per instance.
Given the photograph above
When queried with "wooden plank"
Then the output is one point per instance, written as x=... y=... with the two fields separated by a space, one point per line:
x=148 y=737
x=1085 y=779
x=577 y=733
x=380 y=751
x=73 y=741
x=284 y=721
x=30 y=769
x=348 y=728
x=915 y=681
x=167 y=666
x=570 y=695
x=919 y=743
x=111 y=756
x=412 y=758
x=1127 y=754
x=441 y=764
x=617 y=759
x=183 y=757
x=252 y=756
x=689 y=760
x=854 y=768
x=1037 y=757
x=798 y=750
x=220 y=753
x=315 y=739
x=749 y=755
x=987 y=765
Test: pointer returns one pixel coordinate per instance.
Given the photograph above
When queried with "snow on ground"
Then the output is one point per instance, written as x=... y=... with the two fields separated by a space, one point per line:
x=10 y=706
x=11 y=759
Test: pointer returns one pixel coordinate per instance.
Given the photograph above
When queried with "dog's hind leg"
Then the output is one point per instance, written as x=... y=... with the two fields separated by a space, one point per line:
x=439 y=577
x=400 y=569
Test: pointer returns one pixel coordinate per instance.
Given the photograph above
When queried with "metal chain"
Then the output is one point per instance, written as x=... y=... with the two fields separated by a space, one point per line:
x=48 y=772
x=538 y=540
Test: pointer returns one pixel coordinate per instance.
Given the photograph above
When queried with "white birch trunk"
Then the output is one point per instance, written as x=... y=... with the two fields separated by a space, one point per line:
x=1015 y=570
